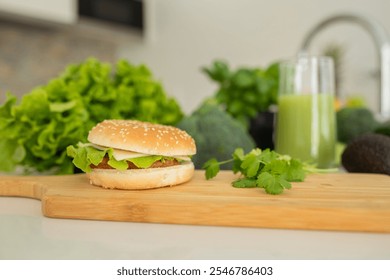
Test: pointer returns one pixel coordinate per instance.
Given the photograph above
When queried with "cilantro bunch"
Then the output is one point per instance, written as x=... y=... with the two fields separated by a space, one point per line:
x=261 y=169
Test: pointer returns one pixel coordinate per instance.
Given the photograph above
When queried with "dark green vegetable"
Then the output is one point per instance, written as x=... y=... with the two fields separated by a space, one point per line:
x=383 y=128
x=353 y=122
x=216 y=134
x=369 y=153
x=35 y=131
x=246 y=91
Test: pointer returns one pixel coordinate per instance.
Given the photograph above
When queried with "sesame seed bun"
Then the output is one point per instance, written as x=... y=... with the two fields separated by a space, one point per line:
x=142 y=137
x=137 y=179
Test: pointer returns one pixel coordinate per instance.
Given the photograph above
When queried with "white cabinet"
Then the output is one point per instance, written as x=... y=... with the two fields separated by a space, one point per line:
x=59 y=11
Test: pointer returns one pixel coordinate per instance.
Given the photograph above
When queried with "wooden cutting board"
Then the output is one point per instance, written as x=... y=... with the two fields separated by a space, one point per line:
x=347 y=202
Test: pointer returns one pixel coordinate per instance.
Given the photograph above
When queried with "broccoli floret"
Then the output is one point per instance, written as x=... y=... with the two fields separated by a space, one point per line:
x=353 y=122
x=216 y=134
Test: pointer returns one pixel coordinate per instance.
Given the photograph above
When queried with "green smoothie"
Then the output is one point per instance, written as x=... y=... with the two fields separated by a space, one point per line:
x=306 y=128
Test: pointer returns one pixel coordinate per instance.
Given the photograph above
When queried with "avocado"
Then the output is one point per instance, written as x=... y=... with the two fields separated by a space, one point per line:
x=368 y=153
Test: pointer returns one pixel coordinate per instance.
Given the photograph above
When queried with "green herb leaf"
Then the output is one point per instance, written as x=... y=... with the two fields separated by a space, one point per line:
x=273 y=184
x=245 y=183
x=276 y=167
x=250 y=165
x=295 y=171
x=268 y=156
x=238 y=157
x=212 y=168
x=243 y=78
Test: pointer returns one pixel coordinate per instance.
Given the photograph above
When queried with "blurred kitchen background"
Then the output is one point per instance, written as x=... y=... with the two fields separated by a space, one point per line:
x=176 y=38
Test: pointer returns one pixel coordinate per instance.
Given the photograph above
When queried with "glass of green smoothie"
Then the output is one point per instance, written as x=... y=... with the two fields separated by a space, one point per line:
x=305 y=122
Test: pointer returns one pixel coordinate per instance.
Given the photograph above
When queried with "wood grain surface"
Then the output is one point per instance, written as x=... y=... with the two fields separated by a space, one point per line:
x=339 y=201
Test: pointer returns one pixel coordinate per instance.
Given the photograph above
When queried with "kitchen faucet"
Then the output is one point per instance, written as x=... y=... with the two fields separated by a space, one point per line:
x=382 y=43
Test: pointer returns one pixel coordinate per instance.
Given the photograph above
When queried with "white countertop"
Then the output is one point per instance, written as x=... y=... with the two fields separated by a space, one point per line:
x=26 y=234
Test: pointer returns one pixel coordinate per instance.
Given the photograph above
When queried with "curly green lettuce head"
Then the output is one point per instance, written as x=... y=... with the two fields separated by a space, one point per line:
x=36 y=130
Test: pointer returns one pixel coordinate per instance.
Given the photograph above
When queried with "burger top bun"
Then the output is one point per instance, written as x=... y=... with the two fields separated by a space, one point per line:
x=142 y=137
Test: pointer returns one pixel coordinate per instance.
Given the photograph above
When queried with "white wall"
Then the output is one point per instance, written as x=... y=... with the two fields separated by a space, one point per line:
x=61 y=11
x=185 y=35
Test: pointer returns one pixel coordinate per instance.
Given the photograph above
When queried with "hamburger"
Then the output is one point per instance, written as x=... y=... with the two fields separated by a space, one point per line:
x=130 y=154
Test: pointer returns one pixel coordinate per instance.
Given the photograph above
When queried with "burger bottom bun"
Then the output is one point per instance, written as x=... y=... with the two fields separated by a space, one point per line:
x=138 y=179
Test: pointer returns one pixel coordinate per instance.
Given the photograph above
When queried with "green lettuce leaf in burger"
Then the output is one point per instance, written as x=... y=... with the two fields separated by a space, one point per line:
x=130 y=154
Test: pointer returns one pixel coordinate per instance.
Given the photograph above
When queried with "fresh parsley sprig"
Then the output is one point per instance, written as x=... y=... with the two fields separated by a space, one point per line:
x=261 y=169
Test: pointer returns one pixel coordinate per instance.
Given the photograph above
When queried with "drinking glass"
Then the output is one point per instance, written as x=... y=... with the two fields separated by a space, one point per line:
x=305 y=122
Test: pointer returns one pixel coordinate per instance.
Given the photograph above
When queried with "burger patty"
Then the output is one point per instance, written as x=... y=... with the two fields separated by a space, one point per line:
x=166 y=163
